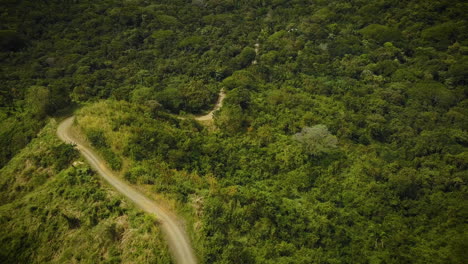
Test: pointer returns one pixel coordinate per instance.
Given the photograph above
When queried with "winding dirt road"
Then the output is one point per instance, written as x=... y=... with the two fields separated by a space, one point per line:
x=179 y=243
x=217 y=106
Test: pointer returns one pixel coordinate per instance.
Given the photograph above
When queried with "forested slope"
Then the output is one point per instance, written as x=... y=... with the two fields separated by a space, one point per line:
x=53 y=211
x=345 y=143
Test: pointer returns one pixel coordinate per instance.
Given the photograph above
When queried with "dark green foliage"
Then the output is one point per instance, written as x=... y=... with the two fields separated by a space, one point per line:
x=98 y=140
x=443 y=35
x=113 y=160
x=96 y=137
x=15 y=132
x=51 y=212
x=245 y=58
x=431 y=95
x=63 y=155
x=385 y=182
x=458 y=71
x=171 y=98
x=11 y=41
x=380 y=33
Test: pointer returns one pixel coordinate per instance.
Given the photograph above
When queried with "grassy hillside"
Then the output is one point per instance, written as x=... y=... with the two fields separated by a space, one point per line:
x=276 y=201
x=149 y=149
x=56 y=212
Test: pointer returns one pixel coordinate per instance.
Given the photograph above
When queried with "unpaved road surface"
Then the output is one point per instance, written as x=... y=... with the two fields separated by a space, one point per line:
x=179 y=243
x=257 y=47
x=217 y=106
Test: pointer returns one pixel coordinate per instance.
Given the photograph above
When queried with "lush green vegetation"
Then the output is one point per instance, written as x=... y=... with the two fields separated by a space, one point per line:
x=54 y=212
x=346 y=141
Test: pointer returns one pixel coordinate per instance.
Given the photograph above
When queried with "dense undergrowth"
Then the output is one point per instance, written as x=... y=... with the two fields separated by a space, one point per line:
x=346 y=141
x=54 y=212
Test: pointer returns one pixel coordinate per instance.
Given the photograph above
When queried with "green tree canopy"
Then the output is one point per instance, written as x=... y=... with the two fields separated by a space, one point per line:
x=316 y=140
x=38 y=100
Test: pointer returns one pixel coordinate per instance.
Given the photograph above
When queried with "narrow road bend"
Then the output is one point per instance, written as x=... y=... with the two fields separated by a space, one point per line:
x=217 y=106
x=178 y=241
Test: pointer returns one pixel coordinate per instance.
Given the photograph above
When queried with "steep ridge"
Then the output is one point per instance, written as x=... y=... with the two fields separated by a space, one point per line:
x=179 y=243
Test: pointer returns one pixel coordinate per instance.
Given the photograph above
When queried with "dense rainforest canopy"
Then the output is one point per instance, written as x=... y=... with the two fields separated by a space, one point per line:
x=342 y=139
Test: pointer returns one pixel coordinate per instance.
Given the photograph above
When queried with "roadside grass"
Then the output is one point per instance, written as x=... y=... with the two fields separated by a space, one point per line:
x=145 y=148
x=58 y=211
